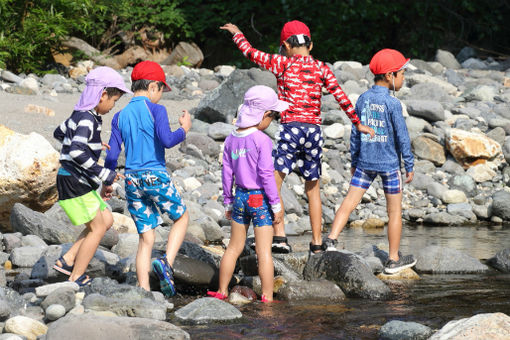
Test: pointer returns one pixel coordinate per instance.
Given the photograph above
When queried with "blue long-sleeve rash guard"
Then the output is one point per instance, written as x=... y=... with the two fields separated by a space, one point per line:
x=383 y=113
x=144 y=129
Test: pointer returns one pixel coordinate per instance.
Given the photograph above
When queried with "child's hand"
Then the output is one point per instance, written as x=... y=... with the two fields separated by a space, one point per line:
x=228 y=214
x=233 y=29
x=185 y=121
x=278 y=217
x=105 y=146
x=106 y=192
x=119 y=176
x=365 y=129
x=410 y=176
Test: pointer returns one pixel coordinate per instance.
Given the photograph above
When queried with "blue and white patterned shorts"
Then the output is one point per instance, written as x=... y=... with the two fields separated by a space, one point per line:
x=146 y=191
x=391 y=180
x=252 y=205
x=299 y=144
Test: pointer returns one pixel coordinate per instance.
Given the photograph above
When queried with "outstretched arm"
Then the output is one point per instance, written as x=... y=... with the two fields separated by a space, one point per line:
x=274 y=63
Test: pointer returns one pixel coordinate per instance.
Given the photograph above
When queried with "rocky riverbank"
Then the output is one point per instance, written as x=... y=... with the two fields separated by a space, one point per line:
x=458 y=116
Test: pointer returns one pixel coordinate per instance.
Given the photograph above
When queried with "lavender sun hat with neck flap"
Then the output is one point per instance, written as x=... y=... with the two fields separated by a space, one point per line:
x=96 y=81
x=257 y=100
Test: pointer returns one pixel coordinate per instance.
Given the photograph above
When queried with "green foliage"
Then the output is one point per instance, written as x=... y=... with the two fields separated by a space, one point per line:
x=184 y=62
x=31 y=30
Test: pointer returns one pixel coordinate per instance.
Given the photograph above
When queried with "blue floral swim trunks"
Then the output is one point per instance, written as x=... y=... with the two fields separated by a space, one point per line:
x=252 y=205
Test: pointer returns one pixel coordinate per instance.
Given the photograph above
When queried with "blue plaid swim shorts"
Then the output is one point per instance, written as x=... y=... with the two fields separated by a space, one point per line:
x=299 y=144
x=146 y=191
x=391 y=180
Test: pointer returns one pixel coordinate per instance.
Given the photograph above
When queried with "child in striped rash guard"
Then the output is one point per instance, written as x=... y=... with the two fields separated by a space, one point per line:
x=80 y=175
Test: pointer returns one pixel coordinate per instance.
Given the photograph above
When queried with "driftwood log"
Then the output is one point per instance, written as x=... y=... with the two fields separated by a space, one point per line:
x=92 y=52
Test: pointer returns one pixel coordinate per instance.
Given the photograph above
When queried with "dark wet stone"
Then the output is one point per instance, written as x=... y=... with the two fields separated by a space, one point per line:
x=349 y=271
x=501 y=261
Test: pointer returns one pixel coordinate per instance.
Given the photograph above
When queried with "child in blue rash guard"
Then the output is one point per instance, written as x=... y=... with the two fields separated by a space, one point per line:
x=144 y=129
x=380 y=155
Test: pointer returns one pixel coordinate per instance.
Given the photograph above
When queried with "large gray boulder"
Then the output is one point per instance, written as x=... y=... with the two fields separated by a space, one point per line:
x=28 y=221
x=206 y=310
x=64 y=296
x=220 y=104
x=447 y=59
x=429 y=110
x=204 y=143
x=441 y=260
x=349 y=271
x=501 y=261
x=480 y=326
x=93 y=327
x=500 y=204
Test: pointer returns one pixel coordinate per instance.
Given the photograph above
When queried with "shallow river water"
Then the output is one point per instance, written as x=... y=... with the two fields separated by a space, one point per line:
x=433 y=301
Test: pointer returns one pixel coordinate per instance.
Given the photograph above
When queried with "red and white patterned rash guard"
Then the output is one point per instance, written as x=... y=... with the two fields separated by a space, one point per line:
x=300 y=80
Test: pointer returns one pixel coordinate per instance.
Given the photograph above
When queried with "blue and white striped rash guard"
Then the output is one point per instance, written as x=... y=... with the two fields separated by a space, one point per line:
x=80 y=136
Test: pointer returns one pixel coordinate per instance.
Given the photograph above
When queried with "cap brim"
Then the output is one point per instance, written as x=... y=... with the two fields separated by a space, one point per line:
x=405 y=64
x=166 y=88
x=281 y=106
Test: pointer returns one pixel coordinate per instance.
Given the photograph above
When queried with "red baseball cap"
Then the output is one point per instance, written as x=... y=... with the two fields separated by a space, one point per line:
x=388 y=60
x=294 y=27
x=149 y=70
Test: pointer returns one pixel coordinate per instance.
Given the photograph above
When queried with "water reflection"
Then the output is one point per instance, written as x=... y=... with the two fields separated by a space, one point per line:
x=433 y=300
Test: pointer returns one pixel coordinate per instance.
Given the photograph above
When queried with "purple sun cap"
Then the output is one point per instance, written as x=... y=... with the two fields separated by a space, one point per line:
x=257 y=100
x=96 y=81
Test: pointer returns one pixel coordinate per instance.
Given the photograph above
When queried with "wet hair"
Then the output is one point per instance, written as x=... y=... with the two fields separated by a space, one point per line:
x=113 y=91
x=143 y=85
x=294 y=42
x=380 y=77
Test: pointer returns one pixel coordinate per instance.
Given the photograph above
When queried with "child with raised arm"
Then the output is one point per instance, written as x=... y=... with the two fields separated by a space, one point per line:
x=300 y=78
x=380 y=155
x=142 y=126
x=247 y=162
x=80 y=175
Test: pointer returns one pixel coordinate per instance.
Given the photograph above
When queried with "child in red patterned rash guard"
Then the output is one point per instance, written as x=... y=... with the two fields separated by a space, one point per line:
x=300 y=78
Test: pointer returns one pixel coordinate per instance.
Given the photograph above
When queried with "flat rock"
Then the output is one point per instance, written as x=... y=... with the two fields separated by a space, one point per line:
x=89 y=327
x=126 y=306
x=43 y=291
x=443 y=218
x=441 y=260
x=206 y=310
x=316 y=290
x=429 y=110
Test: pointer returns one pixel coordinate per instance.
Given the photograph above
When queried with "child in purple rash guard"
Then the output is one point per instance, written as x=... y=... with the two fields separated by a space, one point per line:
x=248 y=163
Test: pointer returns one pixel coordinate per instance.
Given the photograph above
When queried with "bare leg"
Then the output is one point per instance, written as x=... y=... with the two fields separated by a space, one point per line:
x=234 y=249
x=143 y=258
x=175 y=237
x=263 y=241
x=279 y=229
x=97 y=228
x=349 y=203
x=394 y=208
x=313 y=193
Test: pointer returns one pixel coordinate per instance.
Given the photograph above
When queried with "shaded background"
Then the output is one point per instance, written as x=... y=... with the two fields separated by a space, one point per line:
x=31 y=31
